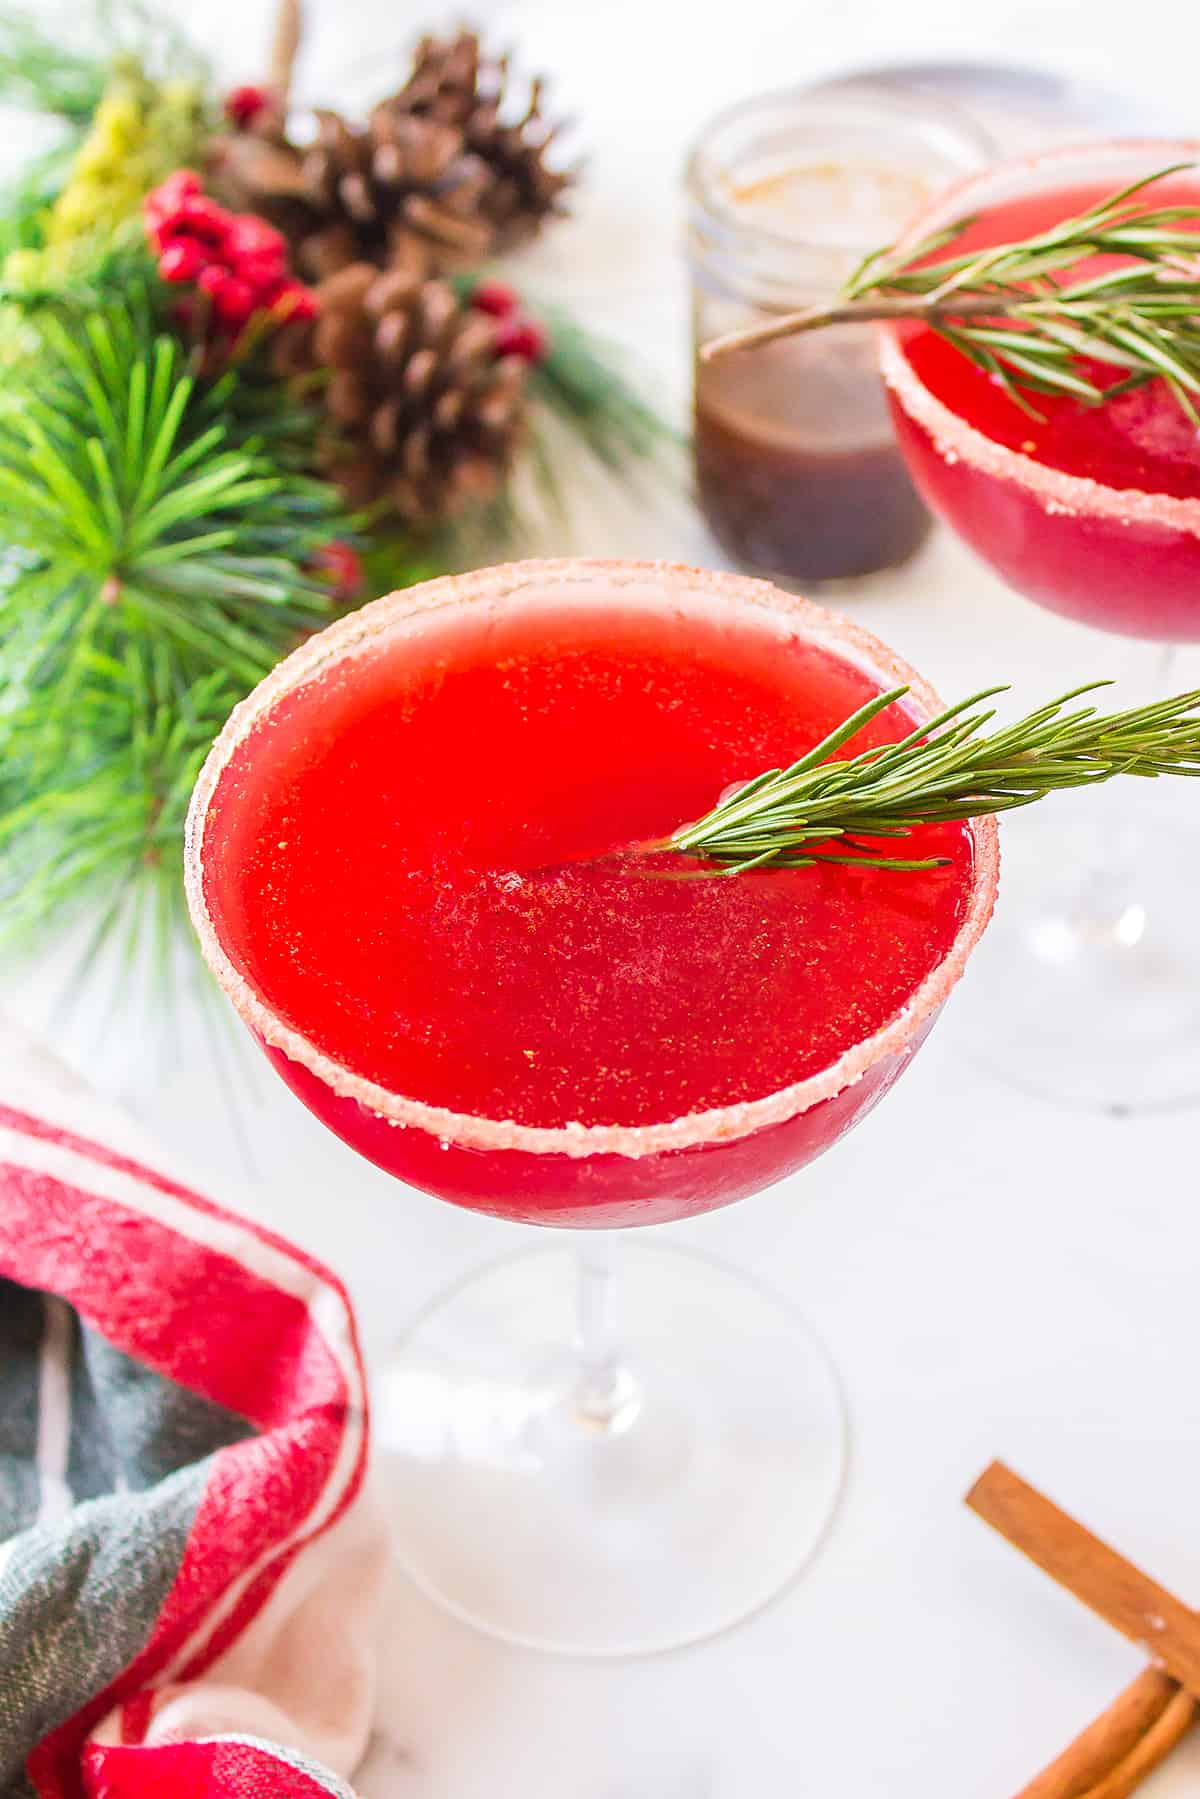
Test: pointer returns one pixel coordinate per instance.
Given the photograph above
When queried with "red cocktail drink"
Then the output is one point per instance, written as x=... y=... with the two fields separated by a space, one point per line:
x=409 y=863
x=412 y=872
x=1093 y=511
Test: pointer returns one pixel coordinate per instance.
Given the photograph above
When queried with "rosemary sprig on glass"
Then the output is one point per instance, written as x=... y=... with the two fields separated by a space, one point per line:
x=822 y=808
x=1010 y=311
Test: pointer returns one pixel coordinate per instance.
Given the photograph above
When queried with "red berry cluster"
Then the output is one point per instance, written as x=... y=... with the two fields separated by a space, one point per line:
x=245 y=104
x=516 y=333
x=234 y=258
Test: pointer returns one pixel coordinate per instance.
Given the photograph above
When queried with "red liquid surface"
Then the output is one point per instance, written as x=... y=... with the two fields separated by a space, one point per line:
x=392 y=859
x=1127 y=575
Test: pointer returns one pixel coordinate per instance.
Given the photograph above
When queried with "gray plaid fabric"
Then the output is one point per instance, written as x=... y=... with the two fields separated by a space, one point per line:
x=86 y=1560
x=108 y=1483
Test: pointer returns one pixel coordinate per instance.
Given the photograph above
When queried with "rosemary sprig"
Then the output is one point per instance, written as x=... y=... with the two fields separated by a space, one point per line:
x=944 y=769
x=1010 y=310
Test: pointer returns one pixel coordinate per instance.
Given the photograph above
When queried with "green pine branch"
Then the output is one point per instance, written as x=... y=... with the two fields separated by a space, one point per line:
x=63 y=71
x=43 y=72
x=580 y=397
x=115 y=48
x=157 y=539
x=582 y=382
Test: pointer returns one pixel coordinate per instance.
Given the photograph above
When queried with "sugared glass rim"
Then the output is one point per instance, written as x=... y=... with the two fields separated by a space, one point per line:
x=952 y=435
x=356 y=632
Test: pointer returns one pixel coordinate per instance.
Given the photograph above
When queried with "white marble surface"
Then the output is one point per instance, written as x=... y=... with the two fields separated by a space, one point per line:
x=994 y=1276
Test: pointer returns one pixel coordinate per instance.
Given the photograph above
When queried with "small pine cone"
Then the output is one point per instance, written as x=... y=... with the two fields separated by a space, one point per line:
x=421 y=411
x=397 y=191
x=450 y=77
x=442 y=175
x=454 y=84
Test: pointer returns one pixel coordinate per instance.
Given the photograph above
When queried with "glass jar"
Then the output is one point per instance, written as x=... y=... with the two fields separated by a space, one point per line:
x=796 y=468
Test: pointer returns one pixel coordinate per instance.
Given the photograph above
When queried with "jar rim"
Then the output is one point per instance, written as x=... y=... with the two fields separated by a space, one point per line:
x=968 y=148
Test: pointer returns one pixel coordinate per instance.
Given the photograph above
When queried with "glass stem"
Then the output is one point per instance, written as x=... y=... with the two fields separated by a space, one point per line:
x=1118 y=853
x=606 y=1394
x=1103 y=850
x=1164 y=662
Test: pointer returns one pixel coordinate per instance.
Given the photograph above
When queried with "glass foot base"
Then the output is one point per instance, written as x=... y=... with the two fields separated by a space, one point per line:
x=1087 y=990
x=707 y=1488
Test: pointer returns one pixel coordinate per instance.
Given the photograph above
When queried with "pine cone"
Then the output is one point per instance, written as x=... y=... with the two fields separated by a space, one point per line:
x=398 y=191
x=432 y=181
x=450 y=79
x=454 y=84
x=421 y=411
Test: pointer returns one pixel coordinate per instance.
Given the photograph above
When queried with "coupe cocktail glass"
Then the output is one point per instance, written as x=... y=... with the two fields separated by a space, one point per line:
x=1091 y=988
x=406 y=865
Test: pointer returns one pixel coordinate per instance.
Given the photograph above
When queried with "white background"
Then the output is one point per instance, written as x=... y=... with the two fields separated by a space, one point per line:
x=994 y=1276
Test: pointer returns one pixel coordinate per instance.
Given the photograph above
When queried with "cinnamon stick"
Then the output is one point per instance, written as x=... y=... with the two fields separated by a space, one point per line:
x=1113 y=1588
x=1172 y=1724
x=1108 y=1740
x=289 y=27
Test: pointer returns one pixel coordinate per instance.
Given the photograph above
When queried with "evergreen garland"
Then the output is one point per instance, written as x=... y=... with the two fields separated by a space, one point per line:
x=155 y=570
x=167 y=531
